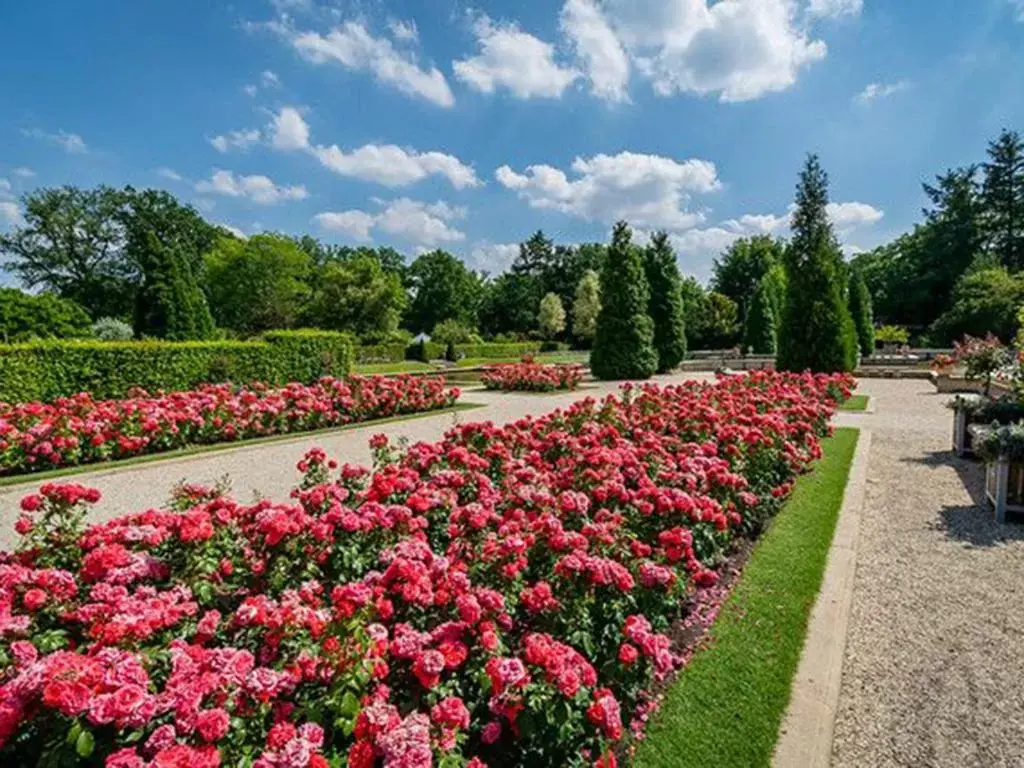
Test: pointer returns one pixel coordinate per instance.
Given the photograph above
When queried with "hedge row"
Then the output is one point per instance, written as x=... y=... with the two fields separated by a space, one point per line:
x=51 y=369
x=394 y=353
x=381 y=353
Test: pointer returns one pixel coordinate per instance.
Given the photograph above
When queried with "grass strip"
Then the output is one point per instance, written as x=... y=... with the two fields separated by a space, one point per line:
x=855 y=403
x=195 y=450
x=728 y=703
x=406 y=366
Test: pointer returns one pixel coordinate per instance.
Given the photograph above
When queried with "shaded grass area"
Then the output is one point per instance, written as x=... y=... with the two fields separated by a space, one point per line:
x=404 y=366
x=855 y=403
x=728 y=704
x=195 y=450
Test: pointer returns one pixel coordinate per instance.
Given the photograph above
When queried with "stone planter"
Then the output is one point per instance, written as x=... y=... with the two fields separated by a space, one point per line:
x=1004 y=487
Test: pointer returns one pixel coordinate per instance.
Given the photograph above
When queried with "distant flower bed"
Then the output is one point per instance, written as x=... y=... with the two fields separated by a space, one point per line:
x=503 y=597
x=529 y=376
x=81 y=430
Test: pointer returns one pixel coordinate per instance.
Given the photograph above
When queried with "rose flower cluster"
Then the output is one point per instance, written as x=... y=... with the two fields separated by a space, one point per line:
x=502 y=597
x=81 y=430
x=529 y=376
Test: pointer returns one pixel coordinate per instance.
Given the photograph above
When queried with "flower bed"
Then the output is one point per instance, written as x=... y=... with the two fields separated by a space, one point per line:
x=529 y=376
x=499 y=598
x=81 y=430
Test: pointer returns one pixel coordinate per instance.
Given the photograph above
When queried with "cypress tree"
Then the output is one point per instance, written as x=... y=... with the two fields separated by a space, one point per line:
x=624 y=342
x=861 y=312
x=817 y=332
x=666 y=302
x=760 y=334
x=169 y=303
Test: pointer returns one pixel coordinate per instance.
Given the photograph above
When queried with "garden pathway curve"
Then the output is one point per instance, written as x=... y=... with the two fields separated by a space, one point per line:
x=934 y=668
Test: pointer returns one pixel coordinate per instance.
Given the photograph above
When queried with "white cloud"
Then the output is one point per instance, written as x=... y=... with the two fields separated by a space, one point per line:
x=240 y=140
x=269 y=79
x=853 y=215
x=352 y=46
x=5 y=188
x=233 y=230
x=404 y=30
x=604 y=59
x=289 y=130
x=421 y=224
x=355 y=224
x=386 y=164
x=71 y=143
x=10 y=213
x=515 y=60
x=1018 y=5
x=493 y=258
x=649 y=191
x=259 y=189
x=250 y=90
x=738 y=49
x=25 y=173
x=834 y=9
x=875 y=91
x=170 y=174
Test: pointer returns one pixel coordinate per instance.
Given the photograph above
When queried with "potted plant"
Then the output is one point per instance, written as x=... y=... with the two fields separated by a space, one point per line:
x=972 y=410
x=891 y=337
x=1002 y=448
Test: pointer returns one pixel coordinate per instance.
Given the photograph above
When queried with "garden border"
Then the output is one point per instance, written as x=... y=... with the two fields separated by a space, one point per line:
x=805 y=738
x=11 y=483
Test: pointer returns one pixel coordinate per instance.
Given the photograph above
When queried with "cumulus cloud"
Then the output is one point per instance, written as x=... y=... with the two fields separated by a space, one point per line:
x=24 y=173
x=386 y=164
x=853 y=215
x=426 y=225
x=352 y=46
x=269 y=79
x=241 y=140
x=260 y=189
x=10 y=213
x=834 y=9
x=598 y=48
x=288 y=130
x=513 y=60
x=874 y=91
x=71 y=143
x=403 y=30
x=736 y=49
x=493 y=258
x=649 y=191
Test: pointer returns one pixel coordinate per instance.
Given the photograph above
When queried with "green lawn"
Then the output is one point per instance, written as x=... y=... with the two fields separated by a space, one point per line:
x=405 y=366
x=855 y=403
x=727 y=705
x=193 y=450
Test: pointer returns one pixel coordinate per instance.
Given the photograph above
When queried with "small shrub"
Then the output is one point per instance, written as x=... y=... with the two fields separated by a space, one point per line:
x=111 y=329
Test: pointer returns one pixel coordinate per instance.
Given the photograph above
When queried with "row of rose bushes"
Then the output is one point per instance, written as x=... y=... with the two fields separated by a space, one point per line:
x=529 y=376
x=499 y=598
x=81 y=430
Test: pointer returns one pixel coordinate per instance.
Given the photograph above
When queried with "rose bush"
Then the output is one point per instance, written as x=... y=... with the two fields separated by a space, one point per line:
x=529 y=376
x=501 y=597
x=81 y=430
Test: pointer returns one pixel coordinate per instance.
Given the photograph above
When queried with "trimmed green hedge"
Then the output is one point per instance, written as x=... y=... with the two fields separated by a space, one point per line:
x=51 y=369
x=499 y=351
x=381 y=353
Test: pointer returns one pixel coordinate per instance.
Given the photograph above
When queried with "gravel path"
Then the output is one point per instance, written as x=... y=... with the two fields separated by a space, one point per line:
x=933 y=673
x=269 y=469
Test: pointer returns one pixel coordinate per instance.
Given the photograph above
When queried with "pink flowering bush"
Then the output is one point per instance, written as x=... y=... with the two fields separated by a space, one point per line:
x=81 y=430
x=529 y=376
x=503 y=597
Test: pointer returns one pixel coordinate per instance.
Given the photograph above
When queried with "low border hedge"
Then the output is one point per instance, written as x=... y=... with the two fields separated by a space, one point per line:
x=50 y=369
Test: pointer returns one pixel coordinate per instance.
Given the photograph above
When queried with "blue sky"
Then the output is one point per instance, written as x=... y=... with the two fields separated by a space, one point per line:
x=440 y=123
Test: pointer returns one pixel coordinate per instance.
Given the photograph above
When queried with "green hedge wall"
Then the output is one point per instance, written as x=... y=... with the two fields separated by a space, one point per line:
x=381 y=353
x=51 y=369
x=497 y=351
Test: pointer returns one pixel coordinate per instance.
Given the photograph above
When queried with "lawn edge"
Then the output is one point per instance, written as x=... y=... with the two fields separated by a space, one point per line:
x=184 y=454
x=662 y=747
x=808 y=727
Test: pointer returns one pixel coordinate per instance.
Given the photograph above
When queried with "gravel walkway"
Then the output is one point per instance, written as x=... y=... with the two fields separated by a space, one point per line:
x=269 y=469
x=933 y=673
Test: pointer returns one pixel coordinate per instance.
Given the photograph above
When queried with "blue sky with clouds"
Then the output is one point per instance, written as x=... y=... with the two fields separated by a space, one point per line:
x=440 y=123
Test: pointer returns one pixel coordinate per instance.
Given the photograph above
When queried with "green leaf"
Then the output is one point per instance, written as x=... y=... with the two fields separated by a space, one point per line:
x=85 y=744
x=349 y=704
